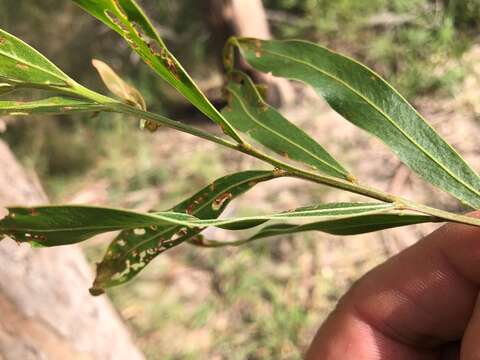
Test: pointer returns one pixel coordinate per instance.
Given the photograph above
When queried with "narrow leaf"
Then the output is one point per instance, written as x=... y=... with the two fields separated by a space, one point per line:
x=128 y=20
x=346 y=225
x=249 y=113
x=132 y=251
x=324 y=211
x=54 y=105
x=23 y=65
x=328 y=211
x=365 y=99
x=62 y=225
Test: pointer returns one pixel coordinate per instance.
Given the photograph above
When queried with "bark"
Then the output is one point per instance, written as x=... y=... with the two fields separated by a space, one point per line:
x=46 y=311
x=249 y=18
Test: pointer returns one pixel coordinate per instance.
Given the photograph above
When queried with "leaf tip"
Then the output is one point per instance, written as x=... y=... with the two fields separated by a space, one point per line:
x=96 y=63
x=94 y=291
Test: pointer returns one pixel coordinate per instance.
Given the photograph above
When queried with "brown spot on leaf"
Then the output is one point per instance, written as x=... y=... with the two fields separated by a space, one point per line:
x=221 y=200
x=138 y=30
x=169 y=62
x=190 y=209
x=262 y=106
x=33 y=212
x=279 y=172
x=172 y=67
x=258 y=48
x=177 y=236
x=154 y=48
x=182 y=232
x=198 y=240
x=150 y=125
x=22 y=66
x=351 y=178
x=39 y=237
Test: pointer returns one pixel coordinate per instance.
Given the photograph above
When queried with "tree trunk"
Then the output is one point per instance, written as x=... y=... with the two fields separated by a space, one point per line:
x=249 y=18
x=46 y=311
x=245 y=18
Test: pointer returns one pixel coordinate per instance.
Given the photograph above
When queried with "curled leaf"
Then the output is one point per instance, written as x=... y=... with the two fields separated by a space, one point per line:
x=341 y=225
x=128 y=93
x=118 y=86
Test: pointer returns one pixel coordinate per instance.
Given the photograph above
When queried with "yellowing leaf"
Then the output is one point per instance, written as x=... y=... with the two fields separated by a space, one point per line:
x=118 y=86
x=124 y=91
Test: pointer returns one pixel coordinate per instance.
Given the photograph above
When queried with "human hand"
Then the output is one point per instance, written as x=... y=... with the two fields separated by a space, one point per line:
x=421 y=304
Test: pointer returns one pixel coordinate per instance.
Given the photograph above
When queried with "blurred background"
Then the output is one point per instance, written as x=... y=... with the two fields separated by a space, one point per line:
x=265 y=300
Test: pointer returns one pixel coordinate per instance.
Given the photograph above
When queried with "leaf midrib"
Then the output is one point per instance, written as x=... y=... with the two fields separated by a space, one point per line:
x=367 y=100
x=283 y=137
x=294 y=215
x=266 y=232
x=42 y=105
x=24 y=62
x=57 y=230
x=395 y=221
x=217 y=222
